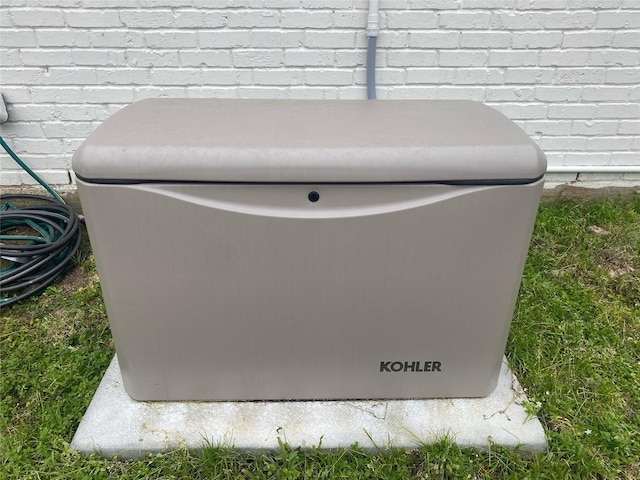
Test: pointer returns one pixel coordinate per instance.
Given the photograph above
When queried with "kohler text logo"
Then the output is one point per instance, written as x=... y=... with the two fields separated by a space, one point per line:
x=410 y=366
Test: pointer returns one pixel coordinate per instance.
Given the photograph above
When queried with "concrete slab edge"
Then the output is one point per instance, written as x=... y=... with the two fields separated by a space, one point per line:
x=115 y=424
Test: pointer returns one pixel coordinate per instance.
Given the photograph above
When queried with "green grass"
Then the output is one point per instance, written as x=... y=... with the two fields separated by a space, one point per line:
x=574 y=343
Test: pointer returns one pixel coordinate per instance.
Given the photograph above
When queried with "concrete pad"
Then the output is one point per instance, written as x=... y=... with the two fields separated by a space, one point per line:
x=115 y=424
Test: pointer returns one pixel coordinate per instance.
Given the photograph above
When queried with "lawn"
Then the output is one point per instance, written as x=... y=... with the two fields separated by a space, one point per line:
x=574 y=344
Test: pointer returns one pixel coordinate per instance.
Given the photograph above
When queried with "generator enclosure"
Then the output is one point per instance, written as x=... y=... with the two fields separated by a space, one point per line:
x=312 y=249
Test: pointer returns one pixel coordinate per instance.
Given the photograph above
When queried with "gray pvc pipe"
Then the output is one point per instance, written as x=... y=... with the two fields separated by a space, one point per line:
x=371 y=67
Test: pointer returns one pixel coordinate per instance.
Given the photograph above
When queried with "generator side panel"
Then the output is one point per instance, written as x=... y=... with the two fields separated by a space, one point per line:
x=266 y=292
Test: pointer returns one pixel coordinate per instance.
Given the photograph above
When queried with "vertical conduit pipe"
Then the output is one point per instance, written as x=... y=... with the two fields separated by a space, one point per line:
x=373 y=21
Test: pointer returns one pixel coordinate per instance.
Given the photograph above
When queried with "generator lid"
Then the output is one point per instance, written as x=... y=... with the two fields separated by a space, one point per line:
x=308 y=141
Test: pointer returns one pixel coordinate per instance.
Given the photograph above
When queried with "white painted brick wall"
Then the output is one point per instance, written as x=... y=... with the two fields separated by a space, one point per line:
x=567 y=71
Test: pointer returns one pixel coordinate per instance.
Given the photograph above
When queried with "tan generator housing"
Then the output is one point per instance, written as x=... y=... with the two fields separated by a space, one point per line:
x=283 y=249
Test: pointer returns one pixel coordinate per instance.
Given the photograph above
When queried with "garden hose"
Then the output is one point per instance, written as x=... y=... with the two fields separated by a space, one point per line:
x=38 y=238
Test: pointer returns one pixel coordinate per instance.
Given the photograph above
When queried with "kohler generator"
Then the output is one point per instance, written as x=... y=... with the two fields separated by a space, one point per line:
x=284 y=249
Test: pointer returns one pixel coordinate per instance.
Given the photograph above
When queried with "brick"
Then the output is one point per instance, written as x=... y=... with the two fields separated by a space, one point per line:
x=252 y=19
x=22 y=129
x=351 y=58
x=537 y=39
x=205 y=58
x=565 y=76
x=275 y=39
x=601 y=93
x=151 y=58
x=571 y=111
x=473 y=58
x=318 y=58
x=5 y=22
x=626 y=39
x=561 y=58
x=314 y=93
x=108 y=94
x=166 y=3
x=387 y=39
x=224 y=39
x=430 y=4
x=615 y=58
x=116 y=39
x=464 y=20
x=529 y=75
x=430 y=75
x=226 y=77
x=618 y=19
x=93 y=19
x=140 y=93
x=67 y=129
x=110 y=3
x=199 y=19
x=595 y=4
x=155 y=18
x=434 y=39
x=412 y=58
x=383 y=77
x=481 y=76
x=52 y=177
x=618 y=110
x=21 y=76
x=287 y=76
x=10 y=57
x=509 y=94
x=629 y=127
x=329 y=39
x=461 y=93
x=594 y=127
x=587 y=39
x=87 y=113
x=410 y=20
x=35 y=17
x=618 y=142
x=521 y=111
x=510 y=58
x=328 y=77
x=97 y=57
x=623 y=75
x=558 y=94
x=173 y=76
x=264 y=92
x=337 y=4
x=68 y=75
x=258 y=58
x=17 y=94
x=563 y=143
x=485 y=39
x=43 y=57
x=491 y=4
x=122 y=76
x=511 y=20
x=20 y=112
x=570 y=20
x=547 y=127
x=541 y=4
x=18 y=38
x=46 y=94
x=306 y=19
x=625 y=158
x=169 y=39
x=349 y=19
x=210 y=92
